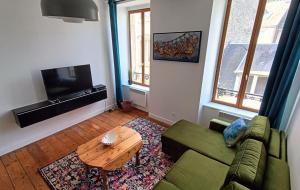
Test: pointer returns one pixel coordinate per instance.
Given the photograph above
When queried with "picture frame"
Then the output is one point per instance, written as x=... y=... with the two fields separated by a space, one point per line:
x=177 y=46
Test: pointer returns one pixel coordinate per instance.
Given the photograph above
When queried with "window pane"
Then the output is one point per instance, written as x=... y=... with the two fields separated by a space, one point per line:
x=238 y=35
x=147 y=48
x=136 y=46
x=272 y=24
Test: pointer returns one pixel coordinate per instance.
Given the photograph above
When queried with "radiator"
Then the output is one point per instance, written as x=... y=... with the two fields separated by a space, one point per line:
x=228 y=116
x=138 y=98
x=231 y=116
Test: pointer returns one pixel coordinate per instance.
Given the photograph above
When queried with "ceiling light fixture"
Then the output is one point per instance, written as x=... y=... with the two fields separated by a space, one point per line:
x=75 y=11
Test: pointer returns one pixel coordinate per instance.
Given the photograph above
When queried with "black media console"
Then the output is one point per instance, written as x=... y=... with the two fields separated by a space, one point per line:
x=35 y=113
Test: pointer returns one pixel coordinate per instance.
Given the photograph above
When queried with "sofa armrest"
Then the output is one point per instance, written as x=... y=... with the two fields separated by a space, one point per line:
x=218 y=125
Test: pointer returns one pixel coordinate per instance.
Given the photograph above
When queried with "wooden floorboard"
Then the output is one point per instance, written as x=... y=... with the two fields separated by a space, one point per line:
x=31 y=168
x=74 y=135
x=16 y=172
x=5 y=181
x=52 y=153
x=37 y=154
x=67 y=141
x=19 y=169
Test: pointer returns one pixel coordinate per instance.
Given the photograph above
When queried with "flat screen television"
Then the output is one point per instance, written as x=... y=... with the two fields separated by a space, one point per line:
x=60 y=82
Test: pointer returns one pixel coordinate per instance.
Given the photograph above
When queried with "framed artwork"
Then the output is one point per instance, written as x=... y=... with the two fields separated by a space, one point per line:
x=177 y=46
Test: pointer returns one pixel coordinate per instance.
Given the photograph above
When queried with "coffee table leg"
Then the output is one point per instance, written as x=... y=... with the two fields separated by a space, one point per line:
x=105 y=181
x=137 y=157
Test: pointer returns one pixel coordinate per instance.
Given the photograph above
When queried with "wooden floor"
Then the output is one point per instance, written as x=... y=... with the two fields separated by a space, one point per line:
x=19 y=169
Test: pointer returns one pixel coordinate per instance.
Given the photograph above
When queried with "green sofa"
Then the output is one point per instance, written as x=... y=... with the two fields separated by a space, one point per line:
x=203 y=161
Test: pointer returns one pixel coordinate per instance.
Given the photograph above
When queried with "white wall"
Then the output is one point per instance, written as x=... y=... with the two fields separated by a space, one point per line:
x=175 y=87
x=29 y=43
x=293 y=146
x=290 y=124
x=214 y=39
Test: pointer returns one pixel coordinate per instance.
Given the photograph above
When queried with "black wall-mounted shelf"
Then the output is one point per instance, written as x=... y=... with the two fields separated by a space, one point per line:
x=41 y=111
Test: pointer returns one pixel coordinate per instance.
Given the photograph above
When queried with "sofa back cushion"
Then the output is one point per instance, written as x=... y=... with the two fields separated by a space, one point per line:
x=274 y=144
x=248 y=165
x=259 y=129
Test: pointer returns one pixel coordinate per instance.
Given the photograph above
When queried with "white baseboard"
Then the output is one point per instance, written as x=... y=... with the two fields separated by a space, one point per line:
x=162 y=119
x=51 y=126
x=140 y=107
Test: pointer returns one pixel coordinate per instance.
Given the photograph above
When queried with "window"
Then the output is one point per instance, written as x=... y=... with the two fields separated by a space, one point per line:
x=140 y=46
x=251 y=33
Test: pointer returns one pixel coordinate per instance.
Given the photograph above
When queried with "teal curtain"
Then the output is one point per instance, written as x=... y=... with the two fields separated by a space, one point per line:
x=284 y=67
x=116 y=53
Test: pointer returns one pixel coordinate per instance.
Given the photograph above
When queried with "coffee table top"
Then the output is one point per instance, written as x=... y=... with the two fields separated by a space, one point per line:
x=94 y=153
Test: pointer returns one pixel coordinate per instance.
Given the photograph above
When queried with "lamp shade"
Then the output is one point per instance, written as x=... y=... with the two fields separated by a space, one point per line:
x=70 y=10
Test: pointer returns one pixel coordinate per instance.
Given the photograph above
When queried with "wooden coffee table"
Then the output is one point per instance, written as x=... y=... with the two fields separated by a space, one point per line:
x=108 y=158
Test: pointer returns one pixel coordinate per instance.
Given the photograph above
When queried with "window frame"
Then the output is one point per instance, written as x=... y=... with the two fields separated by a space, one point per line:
x=142 y=11
x=249 y=57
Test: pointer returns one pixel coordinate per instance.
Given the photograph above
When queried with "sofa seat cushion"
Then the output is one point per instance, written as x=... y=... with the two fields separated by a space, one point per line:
x=194 y=171
x=249 y=165
x=276 y=175
x=200 y=139
x=274 y=144
x=165 y=185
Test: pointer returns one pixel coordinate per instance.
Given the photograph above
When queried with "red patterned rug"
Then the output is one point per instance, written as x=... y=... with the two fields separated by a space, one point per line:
x=69 y=172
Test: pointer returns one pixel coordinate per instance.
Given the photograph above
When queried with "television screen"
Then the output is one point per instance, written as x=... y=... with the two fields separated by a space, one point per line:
x=63 y=81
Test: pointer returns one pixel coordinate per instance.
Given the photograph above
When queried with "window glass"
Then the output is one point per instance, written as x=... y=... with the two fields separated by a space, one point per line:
x=140 y=46
x=273 y=20
x=238 y=36
x=147 y=48
x=136 y=46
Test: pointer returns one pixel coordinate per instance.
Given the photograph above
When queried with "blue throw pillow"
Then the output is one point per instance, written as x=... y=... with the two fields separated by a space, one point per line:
x=234 y=132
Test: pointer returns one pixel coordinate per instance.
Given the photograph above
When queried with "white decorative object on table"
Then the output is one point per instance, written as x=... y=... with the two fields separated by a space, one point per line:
x=109 y=138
